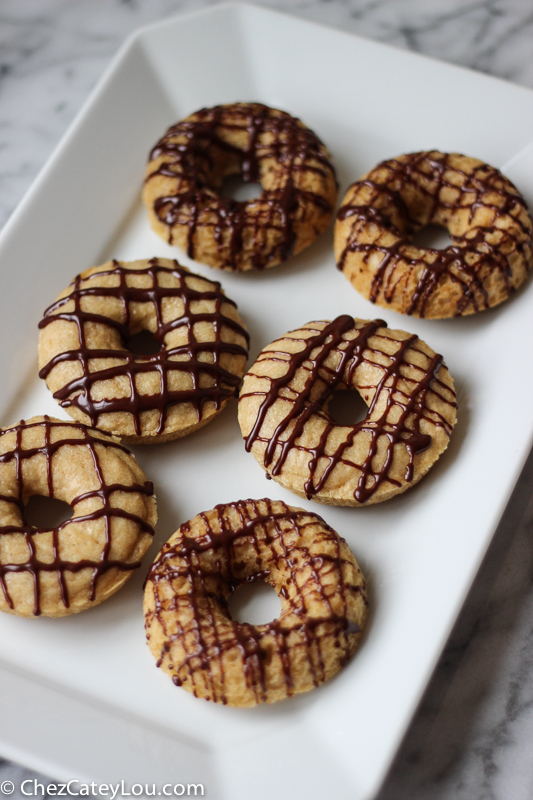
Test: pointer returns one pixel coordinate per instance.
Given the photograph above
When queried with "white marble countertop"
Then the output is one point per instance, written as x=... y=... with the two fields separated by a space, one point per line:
x=470 y=739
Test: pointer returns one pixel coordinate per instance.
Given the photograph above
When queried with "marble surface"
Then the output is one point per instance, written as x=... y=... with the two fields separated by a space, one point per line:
x=470 y=739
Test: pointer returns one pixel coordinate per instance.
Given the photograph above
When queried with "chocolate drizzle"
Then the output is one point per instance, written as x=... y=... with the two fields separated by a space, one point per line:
x=402 y=195
x=328 y=359
x=295 y=551
x=33 y=565
x=202 y=361
x=262 y=144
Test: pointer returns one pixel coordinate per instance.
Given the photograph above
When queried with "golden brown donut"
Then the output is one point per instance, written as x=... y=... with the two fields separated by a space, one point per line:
x=86 y=559
x=85 y=360
x=192 y=635
x=485 y=215
x=284 y=418
x=187 y=168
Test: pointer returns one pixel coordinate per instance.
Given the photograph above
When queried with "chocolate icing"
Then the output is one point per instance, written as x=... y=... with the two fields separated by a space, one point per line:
x=267 y=534
x=77 y=392
x=33 y=566
x=472 y=260
x=192 y=152
x=398 y=423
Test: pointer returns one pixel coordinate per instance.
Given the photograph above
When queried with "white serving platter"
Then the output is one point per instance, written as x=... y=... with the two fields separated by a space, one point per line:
x=82 y=695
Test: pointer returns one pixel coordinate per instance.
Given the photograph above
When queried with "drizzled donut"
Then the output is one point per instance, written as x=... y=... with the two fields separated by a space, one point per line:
x=86 y=559
x=486 y=217
x=189 y=164
x=85 y=359
x=192 y=635
x=284 y=418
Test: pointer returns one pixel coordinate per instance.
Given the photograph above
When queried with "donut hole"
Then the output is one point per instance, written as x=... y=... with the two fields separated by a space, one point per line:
x=432 y=236
x=347 y=407
x=46 y=512
x=236 y=188
x=255 y=603
x=144 y=343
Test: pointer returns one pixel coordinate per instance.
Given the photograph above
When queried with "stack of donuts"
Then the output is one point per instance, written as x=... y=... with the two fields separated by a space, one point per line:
x=122 y=389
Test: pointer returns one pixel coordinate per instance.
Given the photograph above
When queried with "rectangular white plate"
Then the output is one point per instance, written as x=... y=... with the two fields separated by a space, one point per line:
x=86 y=699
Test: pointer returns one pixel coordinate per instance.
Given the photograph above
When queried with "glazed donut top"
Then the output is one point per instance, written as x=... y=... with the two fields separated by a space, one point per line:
x=41 y=444
x=159 y=283
x=201 y=151
x=322 y=591
x=404 y=388
x=486 y=217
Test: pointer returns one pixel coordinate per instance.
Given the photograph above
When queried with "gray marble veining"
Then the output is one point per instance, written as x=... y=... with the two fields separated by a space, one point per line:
x=470 y=739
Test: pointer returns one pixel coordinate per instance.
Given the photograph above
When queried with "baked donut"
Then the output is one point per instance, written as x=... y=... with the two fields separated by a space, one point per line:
x=86 y=559
x=284 y=418
x=486 y=217
x=85 y=360
x=190 y=630
x=187 y=168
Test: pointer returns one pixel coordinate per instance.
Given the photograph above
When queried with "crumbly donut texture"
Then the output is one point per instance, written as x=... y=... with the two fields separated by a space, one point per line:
x=485 y=215
x=84 y=356
x=284 y=418
x=187 y=168
x=322 y=592
x=86 y=559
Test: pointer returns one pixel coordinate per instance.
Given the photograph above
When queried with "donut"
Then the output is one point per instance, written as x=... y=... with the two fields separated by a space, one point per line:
x=84 y=353
x=187 y=168
x=79 y=563
x=321 y=589
x=486 y=217
x=285 y=422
